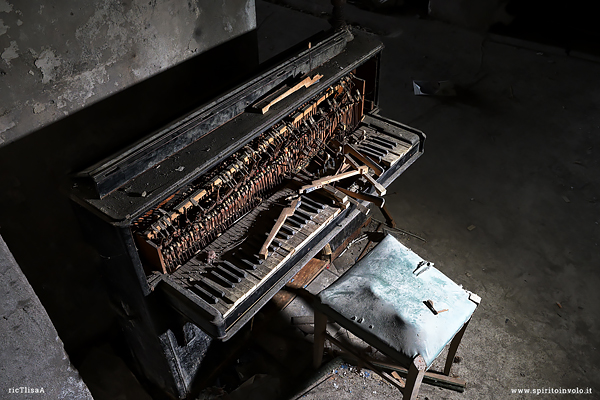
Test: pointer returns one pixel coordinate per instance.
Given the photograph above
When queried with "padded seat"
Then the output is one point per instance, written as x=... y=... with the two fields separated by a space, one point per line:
x=398 y=303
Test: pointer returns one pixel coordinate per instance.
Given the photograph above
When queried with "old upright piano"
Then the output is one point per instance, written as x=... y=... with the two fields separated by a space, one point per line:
x=201 y=223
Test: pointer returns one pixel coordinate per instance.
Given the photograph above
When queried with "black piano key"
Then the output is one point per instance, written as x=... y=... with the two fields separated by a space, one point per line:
x=370 y=154
x=252 y=249
x=287 y=229
x=213 y=287
x=304 y=215
x=276 y=244
x=222 y=280
x=308 y=208
x=239 y=272
x=364 y=147
x=205 y=295
x=297 y=221
x=254 y=270
x=311 y=202
x=383 y=142
x=284 y=235
x=376 y=148
x=228 y=274
x=248 y=263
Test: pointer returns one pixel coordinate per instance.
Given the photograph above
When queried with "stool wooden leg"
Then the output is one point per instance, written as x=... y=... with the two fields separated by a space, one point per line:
x=416 y=371
x=453 y=347
x=319 y=346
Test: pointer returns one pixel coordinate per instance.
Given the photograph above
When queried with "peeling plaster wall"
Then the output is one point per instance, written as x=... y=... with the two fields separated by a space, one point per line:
x=59 y=56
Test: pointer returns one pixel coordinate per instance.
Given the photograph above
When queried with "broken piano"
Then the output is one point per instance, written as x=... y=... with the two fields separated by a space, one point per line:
x=210 y=216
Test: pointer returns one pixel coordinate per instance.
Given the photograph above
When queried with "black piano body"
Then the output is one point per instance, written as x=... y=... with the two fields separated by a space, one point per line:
x=173 y=299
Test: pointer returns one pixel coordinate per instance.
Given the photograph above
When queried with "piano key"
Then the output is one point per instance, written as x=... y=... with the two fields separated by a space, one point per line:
x=308 y=208
x=213 y=287
x=205 y=295
x=384 y=143
x=223 y=281
x=249 y=264
x=250 y=279
x=228 y=274
x=311 y=202
x=233 y=294
x=365 y=147
x=367 y=152
x=283 y=235
x=261 y=270
x=287 y=229
x=398 y=149
x=239 y=272
x=302 y=214
x=297 y=222
x=378 y=149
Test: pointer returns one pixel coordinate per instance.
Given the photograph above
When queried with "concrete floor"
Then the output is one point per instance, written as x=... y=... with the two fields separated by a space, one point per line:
x=516 y=155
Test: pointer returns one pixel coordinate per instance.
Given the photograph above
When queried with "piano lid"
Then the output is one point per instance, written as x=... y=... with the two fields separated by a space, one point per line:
x=131 y=197
x=111 y=173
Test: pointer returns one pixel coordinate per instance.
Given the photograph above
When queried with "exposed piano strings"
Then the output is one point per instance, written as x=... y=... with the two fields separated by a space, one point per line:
x=170 y=235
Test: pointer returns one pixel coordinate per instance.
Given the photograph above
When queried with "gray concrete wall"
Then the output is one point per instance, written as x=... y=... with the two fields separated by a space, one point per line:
x=59 y=56
x=33 y=362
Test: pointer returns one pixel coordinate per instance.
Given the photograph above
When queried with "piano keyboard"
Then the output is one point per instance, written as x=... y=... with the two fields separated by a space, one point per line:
x=381 y=147
x=237 y=271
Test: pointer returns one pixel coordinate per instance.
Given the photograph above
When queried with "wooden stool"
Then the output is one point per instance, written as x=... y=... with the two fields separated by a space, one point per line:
x=401 y=305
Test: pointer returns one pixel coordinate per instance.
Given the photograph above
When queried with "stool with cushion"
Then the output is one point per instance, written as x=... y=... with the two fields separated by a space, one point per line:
x=401 y=305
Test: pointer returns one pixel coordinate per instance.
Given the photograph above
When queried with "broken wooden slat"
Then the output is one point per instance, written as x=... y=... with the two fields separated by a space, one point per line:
x=378 y=187
x=302 y=279
x=378 y=201
x=264 y=105
x=349 y=149
x=286 y=212
x=319 y=183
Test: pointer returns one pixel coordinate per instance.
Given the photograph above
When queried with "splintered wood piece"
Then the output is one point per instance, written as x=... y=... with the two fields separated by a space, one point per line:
x=378 y=187
x=151 y=253
x=341 y=200
x=278 y=95
x=319 y=183
x=286 y=212
x=302 y=279
x=388 y=216
x=361 y=208
x=378 y=201
x=349 y=149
